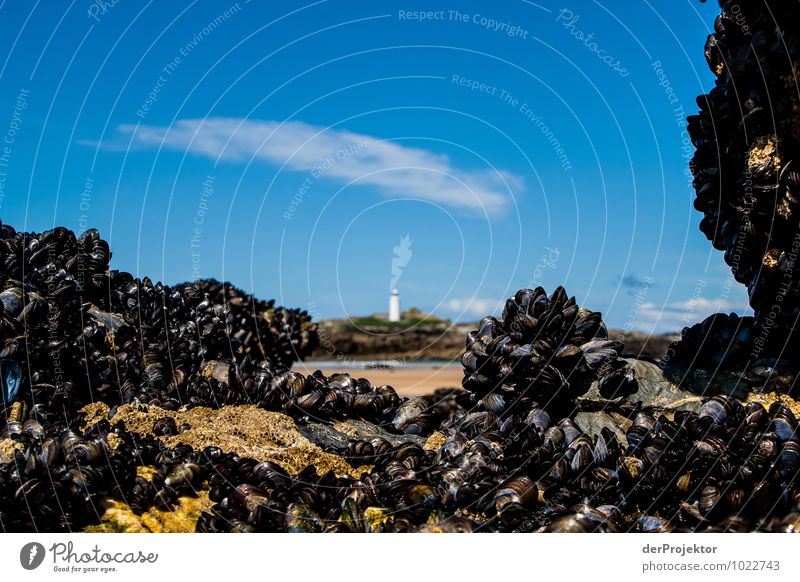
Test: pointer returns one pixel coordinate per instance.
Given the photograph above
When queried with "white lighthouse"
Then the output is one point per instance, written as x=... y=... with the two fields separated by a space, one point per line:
x=394 y=306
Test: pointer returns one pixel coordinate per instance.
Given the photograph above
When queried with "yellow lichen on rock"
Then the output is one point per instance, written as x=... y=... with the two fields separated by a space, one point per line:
x=183 y=519
x=246 y=430
x=345 y=429
x=435 y=441
x=113 y=441
x=376 y=517
x=15 y=413
x=767 y=398
x=7 y=448
x=146 y=472
x=763 y=152
x=119 y=518
x=94 y=412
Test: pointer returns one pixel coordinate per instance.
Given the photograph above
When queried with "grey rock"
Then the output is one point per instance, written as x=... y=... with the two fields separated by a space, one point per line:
x=594 y=422
x=710 y=382
x=112 y=321
x=668 y=388
x=655 y=389
x=337 y=434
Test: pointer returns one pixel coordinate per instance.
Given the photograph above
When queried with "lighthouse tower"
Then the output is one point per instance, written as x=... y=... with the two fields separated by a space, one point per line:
x=394 y=306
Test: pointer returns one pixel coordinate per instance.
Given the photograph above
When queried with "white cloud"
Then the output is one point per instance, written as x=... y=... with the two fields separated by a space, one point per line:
x=474 y=306
x=396 y=170
x=673 y=317
x=709 y=306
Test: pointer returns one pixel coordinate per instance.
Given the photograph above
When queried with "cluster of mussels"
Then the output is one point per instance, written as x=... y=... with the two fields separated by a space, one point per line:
x=721 y=341
x=525 y=466
x=512 y=459
x=72 y=331
x=544 y=348
x=508 y=454
x=727 y=468
x=747 y=179
x=57 y=477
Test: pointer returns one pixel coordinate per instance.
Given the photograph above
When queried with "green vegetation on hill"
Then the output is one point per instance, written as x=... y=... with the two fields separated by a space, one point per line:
x=410 y=318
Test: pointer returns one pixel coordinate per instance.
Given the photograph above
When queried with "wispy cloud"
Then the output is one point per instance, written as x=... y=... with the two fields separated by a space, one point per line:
x=396 y=170
x=675 y=316
x=471 y=307
x=708 y=306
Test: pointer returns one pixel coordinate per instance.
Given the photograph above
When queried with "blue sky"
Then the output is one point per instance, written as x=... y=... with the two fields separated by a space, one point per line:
x=291 y=147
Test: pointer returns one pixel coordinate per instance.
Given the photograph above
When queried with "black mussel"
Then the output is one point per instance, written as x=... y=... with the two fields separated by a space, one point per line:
x=719 y=408
x=165 y=426
x=520 y=490
x=784 y=423
x=583 y=519
x=11 y=378
x=652 y=524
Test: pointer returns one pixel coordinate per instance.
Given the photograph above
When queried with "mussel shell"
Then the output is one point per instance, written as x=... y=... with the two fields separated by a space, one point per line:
x=184 y=475
x=10 y=380
x=520 y=490
x=539 y=419
x=653 y=524
x=718 y=408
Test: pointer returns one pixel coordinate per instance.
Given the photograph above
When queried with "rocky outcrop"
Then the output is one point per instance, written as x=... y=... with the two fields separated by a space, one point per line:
x=437 y=342
x=246 y=430
x=433 y=342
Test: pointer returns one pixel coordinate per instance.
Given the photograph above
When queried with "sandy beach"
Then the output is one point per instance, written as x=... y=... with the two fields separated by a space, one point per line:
x=414 y=380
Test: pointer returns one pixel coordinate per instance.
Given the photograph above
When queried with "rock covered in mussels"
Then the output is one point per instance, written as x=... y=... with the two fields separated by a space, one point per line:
x=727 y=468
x=74 y=331
x=721 y=341
x=747 y=168
x=54 y=482
x=79 y=332
x=425 y=414
x=543 y=349
x=259 y=328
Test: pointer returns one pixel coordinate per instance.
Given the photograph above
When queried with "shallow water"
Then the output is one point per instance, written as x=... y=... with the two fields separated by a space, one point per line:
x=347 y=364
